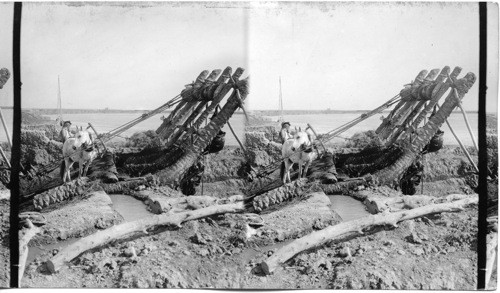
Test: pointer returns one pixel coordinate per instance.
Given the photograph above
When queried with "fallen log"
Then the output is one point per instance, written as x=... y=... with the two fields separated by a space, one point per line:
x=130 y=184
x=82 y=186
x=294 y=189
x=338 y=231
x=376 y=205
x=23 y=247
x=161 y=204
x=61 y=193
x=139 y=226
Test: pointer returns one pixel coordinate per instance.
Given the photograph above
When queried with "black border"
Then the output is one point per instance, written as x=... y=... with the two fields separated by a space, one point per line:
x=16 y=149
x=482 y=154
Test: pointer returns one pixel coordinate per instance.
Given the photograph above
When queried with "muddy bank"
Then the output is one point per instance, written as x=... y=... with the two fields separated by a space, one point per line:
x=224 y=252
x=215 y=252
x=77 y=218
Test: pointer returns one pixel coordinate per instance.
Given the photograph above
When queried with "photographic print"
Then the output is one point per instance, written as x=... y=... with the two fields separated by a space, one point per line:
x=375 y=104
x=351 y=161
x=132 y=124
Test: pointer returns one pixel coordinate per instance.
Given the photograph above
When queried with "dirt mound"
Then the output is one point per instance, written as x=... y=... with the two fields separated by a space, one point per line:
x=145 y=139
x=223 y=165
x=39 y=150
x=363 y=140
x=51 y=130
x=262 y=150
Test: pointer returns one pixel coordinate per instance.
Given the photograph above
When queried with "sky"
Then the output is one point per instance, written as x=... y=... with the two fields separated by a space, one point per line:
x=342 y=56
x=346 y=56
x=123 y=57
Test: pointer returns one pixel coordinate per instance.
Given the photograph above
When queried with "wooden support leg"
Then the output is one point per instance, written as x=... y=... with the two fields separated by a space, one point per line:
x=461 y=145
x=5 y=128
x=5 y=157
x=314 y=131
x=467 y=123
x=97 y=135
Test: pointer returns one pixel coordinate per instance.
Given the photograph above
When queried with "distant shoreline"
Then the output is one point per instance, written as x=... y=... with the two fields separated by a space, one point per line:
x=91 y=111
x=305 y=112
x=258 y=112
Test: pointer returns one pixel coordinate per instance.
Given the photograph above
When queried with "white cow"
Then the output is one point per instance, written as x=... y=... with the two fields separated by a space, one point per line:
x=78 y=149
x=298 y=149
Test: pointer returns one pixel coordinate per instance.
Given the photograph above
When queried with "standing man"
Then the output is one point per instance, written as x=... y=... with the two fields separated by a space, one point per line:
x=285 y=132
x=65 y=131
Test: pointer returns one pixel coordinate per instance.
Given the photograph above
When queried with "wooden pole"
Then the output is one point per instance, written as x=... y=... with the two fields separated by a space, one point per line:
x=234 y=134
x=461 y=144
x=467 y=123
x=333 y=133
x=91 y=126
x=238 y=96
x=314 y=131
x=5 y=157
x=6 y=129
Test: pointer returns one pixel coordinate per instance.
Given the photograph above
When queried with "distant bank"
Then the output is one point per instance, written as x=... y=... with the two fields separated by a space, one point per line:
x=89 y=111
x=328 y=111
x=257 y=112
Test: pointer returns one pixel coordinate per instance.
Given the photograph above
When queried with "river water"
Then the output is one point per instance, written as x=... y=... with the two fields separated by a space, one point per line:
x=323 y=123
x=105 y=122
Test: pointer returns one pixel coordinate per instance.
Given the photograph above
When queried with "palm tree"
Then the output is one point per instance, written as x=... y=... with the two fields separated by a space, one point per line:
x=172 y=174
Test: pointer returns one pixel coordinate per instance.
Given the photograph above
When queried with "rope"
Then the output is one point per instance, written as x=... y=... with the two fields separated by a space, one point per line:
x=329 y=135
x=122 y=128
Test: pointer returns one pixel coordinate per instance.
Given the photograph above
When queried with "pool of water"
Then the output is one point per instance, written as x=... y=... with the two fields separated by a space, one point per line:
x=347 y=207
x=33 y=252
x=129 y=207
